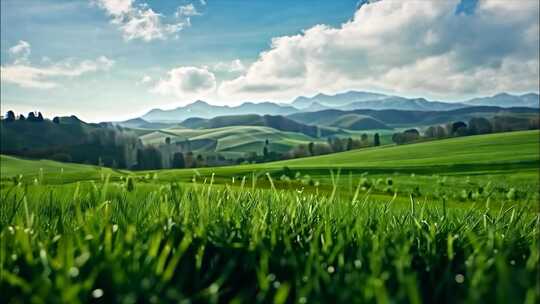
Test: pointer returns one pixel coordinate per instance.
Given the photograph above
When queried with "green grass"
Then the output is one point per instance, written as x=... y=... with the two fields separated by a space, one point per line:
x=438 y=222
x=211 y=244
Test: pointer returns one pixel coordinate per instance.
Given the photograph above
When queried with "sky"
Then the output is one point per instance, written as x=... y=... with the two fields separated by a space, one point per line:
x=108 y=60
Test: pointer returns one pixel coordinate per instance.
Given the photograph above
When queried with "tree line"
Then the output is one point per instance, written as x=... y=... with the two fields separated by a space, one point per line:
x=475 y=126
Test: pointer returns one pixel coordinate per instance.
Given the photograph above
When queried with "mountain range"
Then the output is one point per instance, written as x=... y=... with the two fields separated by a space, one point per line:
x=348 y=101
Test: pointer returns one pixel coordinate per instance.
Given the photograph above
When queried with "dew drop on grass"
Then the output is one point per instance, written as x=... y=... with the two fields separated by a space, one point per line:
x=302 y=300
x=358 y=264
x=459 y=278
x=97 y=293
x=73 y=272
x=214 y=288
x=114 y=228
x=512 y=262
x=330 y=269
x=276 y=284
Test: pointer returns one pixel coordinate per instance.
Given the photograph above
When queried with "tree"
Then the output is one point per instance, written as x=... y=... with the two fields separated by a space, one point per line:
x=56 y=120
x=21 y=117
x=188 y=160
x=39 y=117
x=310 y=148
x=350 y=144
x=10 y=116
x=459 y=128
x=265 y=152
x=31 y=116
x=405 y=137
x=178 y=160
x=435 y=132
x=479 y=125
x=200 y=160
x=364 y=138
x=376 y=140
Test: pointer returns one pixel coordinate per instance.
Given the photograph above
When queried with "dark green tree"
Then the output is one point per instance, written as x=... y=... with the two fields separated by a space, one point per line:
x=376 y=140
x=178 y=160
x=310 y=148
x=10 y=116
x=350 y=144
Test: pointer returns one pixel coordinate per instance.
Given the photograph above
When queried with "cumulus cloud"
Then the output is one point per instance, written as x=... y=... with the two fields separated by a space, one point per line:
x=141 y=22
x=20 y=51
x=26 y=75
x=418 y=47
x=145 y=79
x=186 y=82
x=233 y=66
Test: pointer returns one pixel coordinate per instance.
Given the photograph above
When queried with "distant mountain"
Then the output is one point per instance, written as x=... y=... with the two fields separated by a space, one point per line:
x=401 y=103
x=277 y=122
x=204 y=110
x=333 y=101
x=398 y=118
x=506 y=100
x=353 y=100
x=139 y=123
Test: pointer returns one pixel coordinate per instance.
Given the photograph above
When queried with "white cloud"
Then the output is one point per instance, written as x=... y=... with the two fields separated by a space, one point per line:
x=24 y=74
x=145 y=79
x=141 y=22
x=233 y=66
x=20 y=51
x=187 y=11
x=187 y=82
x=418 y=47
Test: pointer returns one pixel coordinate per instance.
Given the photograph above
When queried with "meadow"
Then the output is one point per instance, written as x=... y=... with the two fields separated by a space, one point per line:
x=446 y=221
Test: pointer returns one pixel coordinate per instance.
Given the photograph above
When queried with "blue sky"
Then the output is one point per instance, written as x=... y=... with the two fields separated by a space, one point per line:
x=94 y=59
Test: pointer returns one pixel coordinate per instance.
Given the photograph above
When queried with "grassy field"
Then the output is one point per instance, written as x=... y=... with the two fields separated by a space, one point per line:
x=440 y=222
x=233 y=139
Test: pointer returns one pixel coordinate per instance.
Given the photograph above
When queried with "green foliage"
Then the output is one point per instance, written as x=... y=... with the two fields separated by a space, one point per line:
x=167 y=243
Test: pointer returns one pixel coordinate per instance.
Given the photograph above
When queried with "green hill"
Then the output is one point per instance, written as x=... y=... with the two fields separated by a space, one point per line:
x=482 y=153
x=404 y=118
x=230 y=139
x=14 y=166
x=358 y=122
x=277 y=122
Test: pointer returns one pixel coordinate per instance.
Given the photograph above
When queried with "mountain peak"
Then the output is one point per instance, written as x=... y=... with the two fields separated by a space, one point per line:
x=199 y=103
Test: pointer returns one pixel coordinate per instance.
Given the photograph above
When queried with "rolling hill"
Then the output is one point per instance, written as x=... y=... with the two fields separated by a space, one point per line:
x=397 y=118
x=479 y=154
x=358 y=122
x=234 y=139
x=277 y=122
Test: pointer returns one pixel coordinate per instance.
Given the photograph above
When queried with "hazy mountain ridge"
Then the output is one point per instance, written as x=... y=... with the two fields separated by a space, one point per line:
x=347 y=101
x=203 y=109
x=530 y=100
